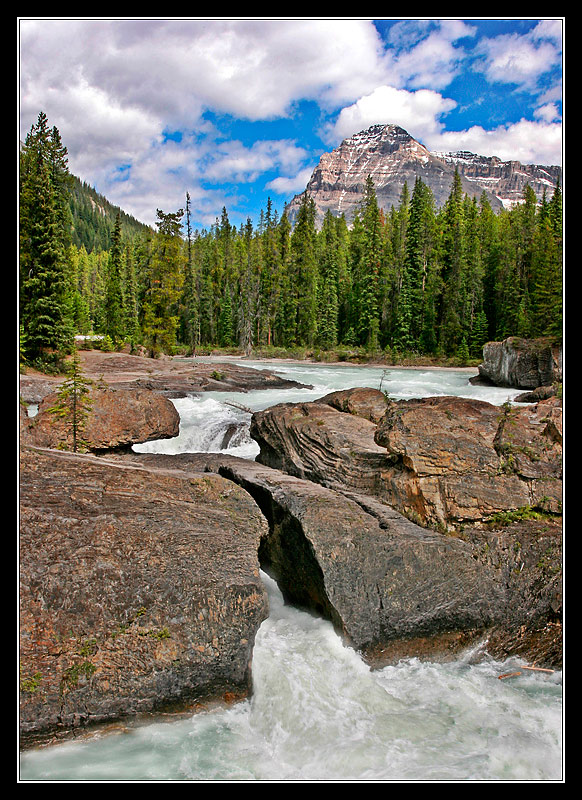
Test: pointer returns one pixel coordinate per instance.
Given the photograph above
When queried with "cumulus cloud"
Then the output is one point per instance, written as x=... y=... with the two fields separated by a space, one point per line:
x=525 y=141
x=522 y=59
x=425 y=52
x=418 y=112
x=232 y=161
x=253 y=69
x=114 y=87
x=291 y=185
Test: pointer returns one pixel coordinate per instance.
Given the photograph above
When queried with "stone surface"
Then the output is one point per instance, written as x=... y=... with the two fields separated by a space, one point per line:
x=116 y=419
x=443 y=462
x=522 y=363
x=172 y=377
x=392 y=588
x=139 y=589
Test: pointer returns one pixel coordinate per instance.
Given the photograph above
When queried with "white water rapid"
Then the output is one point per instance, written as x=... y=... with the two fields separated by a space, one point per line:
x=317 y=712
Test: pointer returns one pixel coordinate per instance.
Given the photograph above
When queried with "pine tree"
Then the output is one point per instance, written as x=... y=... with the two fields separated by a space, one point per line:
x=164 y=284
x=546 y=293
x=73 y=403
x=451 y=330
x=304 y=272
x=286 y=301
x=329 y=274
x=249 y=290
x=370 y=268
x=114 y=311
x=226 y=321
x=190 y=326
x=43 y=242
x=130 y=301
x=419 y=257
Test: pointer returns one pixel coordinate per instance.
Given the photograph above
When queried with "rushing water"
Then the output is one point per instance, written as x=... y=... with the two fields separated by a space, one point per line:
x=206 y=418
x=317 y=712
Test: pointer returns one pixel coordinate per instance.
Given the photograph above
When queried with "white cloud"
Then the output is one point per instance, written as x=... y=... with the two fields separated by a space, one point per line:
x=522 y=59
x=173 y=69
x=291 y=186
x=548 y=112
x=418 y=112
x=525 y=141
x=112 y=87
x=233 y=162
x=425 y=52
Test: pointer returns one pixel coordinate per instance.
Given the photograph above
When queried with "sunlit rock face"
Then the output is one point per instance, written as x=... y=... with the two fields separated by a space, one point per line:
x=391 y=157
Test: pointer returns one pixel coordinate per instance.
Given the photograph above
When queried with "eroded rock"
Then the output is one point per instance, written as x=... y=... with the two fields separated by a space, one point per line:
x=522 y=363
x=392 y=588
x=139 y=589
x=442 y=461
x=116 y=418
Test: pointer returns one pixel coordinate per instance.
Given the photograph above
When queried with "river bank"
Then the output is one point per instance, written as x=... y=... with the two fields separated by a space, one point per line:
x=379 y=364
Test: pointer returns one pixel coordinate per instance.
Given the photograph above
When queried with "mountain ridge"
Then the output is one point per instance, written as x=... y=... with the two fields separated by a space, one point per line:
x=392 y=157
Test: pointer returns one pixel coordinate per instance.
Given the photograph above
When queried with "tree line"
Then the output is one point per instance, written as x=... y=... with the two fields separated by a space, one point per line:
x=416 y=279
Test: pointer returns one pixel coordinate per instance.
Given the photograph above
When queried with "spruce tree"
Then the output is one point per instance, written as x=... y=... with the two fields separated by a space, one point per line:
x=304 y=272
x=370 y=268
x=114 y=311
x=43 y=242
x=190 y=327
x=451 y=331
x=164 y=284
x=73 y=403
x=328 y=293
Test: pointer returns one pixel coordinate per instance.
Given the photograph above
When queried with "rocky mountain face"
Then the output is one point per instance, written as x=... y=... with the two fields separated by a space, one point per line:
x=392 y=157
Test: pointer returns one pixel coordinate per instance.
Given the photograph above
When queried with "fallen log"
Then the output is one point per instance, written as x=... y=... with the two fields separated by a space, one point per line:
x=539 y=669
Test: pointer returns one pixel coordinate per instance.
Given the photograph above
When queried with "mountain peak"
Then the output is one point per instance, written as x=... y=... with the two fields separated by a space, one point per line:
x=392 y=157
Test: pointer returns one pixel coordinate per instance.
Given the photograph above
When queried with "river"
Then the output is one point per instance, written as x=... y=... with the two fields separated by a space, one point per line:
x=317 y=711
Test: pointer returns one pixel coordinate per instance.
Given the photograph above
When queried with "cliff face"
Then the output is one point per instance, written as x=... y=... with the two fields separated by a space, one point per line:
x=392 y=158
x=525 y=363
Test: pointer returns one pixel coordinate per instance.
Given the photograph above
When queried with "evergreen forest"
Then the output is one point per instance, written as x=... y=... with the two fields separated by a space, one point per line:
x=413 y=282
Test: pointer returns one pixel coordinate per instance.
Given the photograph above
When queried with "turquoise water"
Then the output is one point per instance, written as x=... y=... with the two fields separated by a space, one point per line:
x=318 y=713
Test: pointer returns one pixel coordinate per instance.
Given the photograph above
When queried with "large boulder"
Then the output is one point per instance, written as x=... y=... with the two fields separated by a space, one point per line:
x=392 y=588
x=521 y=363
x=462 y=461
x=116 y=419
x=444 y=462
x=139 y=589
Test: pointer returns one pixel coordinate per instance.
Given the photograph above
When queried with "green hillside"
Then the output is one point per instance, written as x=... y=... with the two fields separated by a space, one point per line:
x=93 y=218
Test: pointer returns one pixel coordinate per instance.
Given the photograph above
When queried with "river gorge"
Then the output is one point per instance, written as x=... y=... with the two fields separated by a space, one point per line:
x=317 y=710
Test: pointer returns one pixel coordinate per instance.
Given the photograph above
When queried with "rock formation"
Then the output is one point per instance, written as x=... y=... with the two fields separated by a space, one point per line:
x=444 y=462
x=392 y=157
x=417 y=527
x=116 y=419
x=522 y=363
x=139 y=590
x=393 y=588
x=171 y=377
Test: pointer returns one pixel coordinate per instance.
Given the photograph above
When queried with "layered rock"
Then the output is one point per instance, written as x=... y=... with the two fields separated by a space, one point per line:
x=140 y=585
x=521 y=363
x=392 y=158
x=139 y=589
x=392 y=588
x=442 y=461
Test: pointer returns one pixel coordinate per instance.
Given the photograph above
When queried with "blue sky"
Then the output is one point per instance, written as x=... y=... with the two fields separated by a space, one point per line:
x=234 y=111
